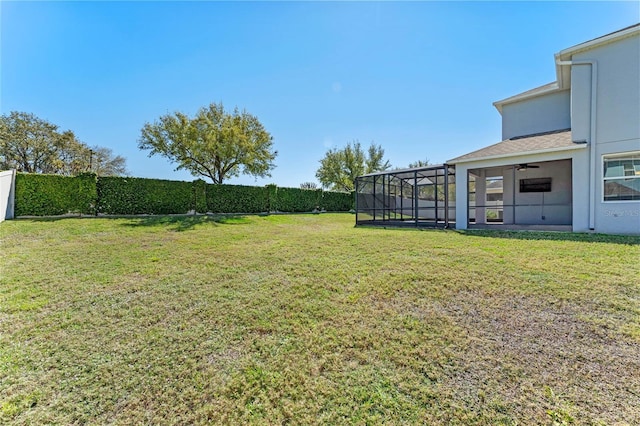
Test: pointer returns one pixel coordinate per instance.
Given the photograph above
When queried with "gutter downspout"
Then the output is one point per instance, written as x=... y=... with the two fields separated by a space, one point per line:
x=592 y=135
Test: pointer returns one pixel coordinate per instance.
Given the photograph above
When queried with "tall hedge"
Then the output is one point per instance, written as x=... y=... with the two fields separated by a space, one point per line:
x=127 y=195
x=51 y=195
x=338 y=201
x=237 y=199
x=200 y=196
x=297 y=200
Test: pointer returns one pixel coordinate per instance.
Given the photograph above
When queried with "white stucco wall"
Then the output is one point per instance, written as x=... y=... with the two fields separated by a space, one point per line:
x=615 y=217
x=617 y=121
x=7 y=190
x=618 y=89
x=540 y=114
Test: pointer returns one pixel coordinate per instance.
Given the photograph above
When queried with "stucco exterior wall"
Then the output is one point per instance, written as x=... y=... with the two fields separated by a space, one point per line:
x=540 y=114
x=615 y=217
x=618 y=89
x=617 y=121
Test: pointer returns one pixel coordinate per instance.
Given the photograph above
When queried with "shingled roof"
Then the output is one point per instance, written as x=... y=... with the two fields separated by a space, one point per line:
x=557 y=140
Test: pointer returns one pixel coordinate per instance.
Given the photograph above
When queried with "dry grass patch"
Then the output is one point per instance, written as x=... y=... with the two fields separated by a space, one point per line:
x=305 y=319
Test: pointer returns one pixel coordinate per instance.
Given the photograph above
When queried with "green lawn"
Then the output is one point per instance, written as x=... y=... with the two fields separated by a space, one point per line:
x=305 y=319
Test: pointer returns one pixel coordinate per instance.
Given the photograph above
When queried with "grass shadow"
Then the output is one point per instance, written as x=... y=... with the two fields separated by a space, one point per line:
x=174 y=222
x=554 y=236
x=184 y=223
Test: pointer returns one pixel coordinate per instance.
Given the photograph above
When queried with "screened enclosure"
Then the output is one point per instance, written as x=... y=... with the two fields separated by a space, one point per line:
x=422 y=196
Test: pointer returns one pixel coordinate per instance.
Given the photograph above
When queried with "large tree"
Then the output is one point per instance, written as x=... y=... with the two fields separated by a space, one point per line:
x=340 y=167
x=33 y=145
x=103 y=163
x=215 y=143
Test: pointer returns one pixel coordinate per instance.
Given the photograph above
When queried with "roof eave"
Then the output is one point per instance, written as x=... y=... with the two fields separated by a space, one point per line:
x=552 y=87
x=563 y=72
x=518 y=154
x=566 y=54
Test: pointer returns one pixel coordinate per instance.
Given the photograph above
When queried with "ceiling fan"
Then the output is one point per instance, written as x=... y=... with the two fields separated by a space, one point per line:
x=526 y=166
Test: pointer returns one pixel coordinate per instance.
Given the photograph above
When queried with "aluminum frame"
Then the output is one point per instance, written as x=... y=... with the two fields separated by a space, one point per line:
x=420 y=197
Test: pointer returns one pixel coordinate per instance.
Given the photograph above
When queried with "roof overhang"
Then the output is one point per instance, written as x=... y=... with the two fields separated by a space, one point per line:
x=537 y=143
x=563 y=72
x=521 y=154
x=533 y=93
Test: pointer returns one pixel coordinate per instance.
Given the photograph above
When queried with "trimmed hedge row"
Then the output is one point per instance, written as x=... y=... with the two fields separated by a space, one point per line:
x=118 y=195
x=237 y=199
x=297 y=200
x=49 y=195
x=337 y=201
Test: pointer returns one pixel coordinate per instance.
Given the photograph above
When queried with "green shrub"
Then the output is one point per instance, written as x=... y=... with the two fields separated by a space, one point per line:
x=46 y=195
x=199 y=196
x=50 y=195
x=337 y=201
x=272 y=197
x=297 y=200
x=237 y=199
x=127 y=195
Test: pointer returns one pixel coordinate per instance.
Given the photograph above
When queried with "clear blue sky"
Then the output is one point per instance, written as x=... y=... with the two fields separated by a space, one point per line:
x=419 y=78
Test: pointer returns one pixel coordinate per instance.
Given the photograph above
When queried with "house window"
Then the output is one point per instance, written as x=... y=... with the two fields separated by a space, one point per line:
x=621 y=177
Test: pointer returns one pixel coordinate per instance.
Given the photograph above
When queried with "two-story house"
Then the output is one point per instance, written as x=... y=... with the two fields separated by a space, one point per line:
x=570 y=154
x=569 y=158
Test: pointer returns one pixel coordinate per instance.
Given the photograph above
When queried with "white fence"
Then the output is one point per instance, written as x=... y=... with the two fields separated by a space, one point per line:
x=7 y=194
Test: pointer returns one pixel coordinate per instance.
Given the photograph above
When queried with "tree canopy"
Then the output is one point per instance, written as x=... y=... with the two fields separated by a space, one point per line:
x=308 y=185
x=340 y=167
x=214 y=144
x=420 y=163
x=33 y=145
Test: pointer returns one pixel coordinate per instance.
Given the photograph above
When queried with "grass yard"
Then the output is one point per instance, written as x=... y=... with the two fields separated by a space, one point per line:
x=305 y=319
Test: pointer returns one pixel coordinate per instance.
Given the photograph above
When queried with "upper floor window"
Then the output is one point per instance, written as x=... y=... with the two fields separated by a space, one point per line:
x=621 y=177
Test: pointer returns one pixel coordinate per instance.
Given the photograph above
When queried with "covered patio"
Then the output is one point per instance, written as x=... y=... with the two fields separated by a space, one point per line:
x=420 y=197
x=531 y=182
x=532 y=195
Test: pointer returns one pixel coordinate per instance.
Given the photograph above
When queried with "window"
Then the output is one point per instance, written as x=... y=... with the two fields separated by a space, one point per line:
x=621 y=177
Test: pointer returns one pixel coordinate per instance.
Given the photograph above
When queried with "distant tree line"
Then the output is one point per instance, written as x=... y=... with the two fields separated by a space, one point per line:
x=214 y=143
x=32 y=145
